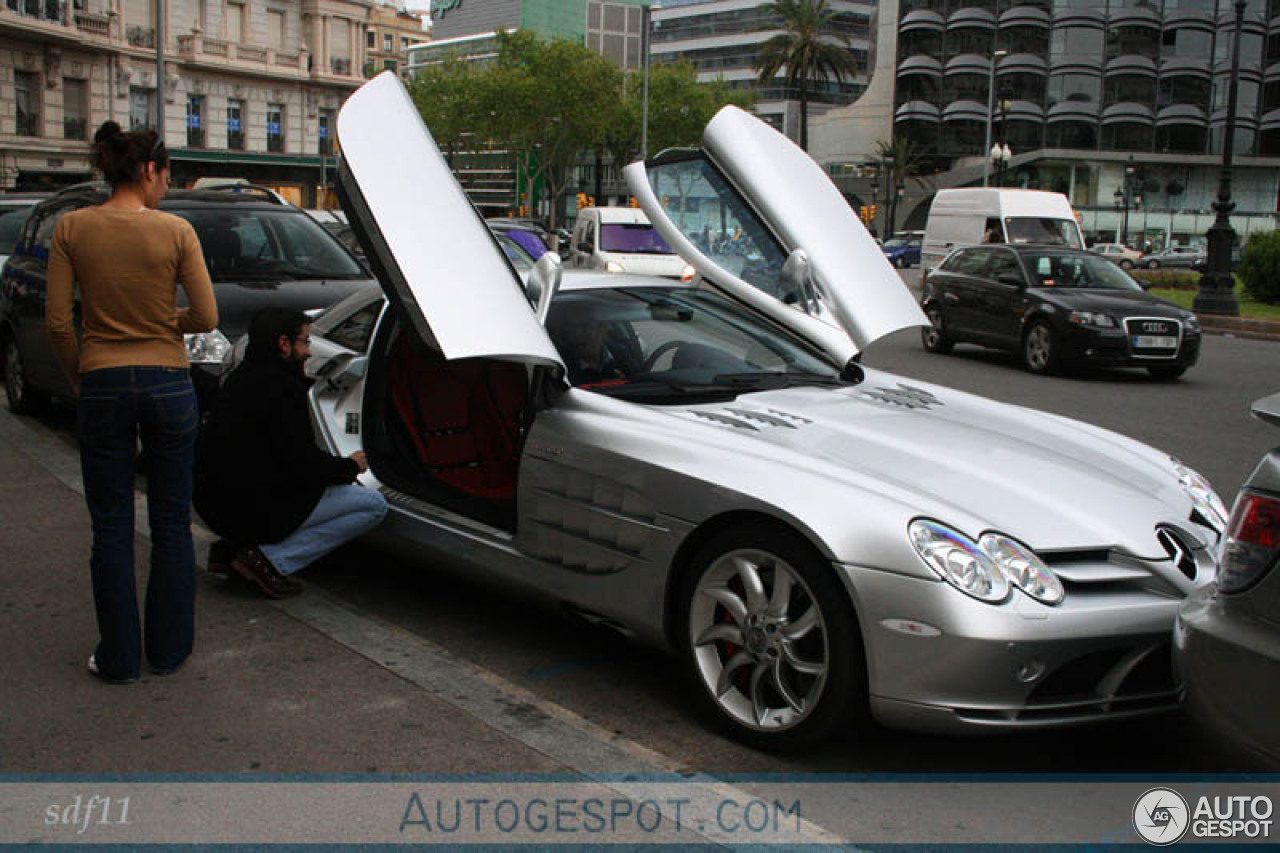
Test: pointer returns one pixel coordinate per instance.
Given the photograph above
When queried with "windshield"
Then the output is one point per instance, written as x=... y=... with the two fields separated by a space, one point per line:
x=1054 y=269
x=676 y=345
x=249 y=245
x=896 y=243
x=12 y=218
x=515 y=253
x=637 y=238
x=1038 y=229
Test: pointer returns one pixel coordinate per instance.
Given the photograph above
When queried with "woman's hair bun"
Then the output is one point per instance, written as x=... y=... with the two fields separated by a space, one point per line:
x=108 y=131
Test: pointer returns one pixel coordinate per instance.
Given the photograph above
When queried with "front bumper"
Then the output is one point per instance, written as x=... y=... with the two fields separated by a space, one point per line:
x=940 y=661
x=1229 y=669
x=1110 y=348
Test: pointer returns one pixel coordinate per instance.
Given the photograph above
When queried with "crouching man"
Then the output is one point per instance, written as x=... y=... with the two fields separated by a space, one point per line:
x=261 y=482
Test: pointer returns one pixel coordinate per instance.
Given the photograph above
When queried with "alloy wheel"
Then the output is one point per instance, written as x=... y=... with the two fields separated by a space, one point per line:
x=1038 y=349
x=759 y=640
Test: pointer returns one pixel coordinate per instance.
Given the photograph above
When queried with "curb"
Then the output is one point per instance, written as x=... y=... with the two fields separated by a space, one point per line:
x=1259 y=330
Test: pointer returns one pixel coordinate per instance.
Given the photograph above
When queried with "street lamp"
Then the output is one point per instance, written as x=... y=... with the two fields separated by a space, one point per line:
x=1217 y=293
x=1127 y=196
x=991 y=108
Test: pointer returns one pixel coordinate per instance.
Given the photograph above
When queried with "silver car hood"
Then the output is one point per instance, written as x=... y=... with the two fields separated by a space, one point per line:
x=978 y=465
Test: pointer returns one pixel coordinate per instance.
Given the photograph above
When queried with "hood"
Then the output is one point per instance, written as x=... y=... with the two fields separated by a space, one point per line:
x=739 y=208
x=1051 y=482
x=429 y=248
x=1115 y=301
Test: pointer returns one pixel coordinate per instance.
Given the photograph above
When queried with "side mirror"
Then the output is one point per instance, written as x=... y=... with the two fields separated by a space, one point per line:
x=1011 y=279
x=543 y=284
x=797 y=280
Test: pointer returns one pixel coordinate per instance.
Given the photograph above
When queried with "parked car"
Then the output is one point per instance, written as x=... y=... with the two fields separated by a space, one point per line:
x=1174 y=256
x=14 y=210
x=259 y=251
x=1227 y=640
x=903 y=250
x=1056 y=307
x=707 y=467
x=531 y=237
x=621 y=239
x=1118 y=253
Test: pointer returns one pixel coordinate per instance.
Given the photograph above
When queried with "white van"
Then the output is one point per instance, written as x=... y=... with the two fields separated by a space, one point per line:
x=621 y=239
x=967 y=217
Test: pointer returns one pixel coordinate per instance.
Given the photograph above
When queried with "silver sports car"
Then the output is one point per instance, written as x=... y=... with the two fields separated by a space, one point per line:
x=705 y=465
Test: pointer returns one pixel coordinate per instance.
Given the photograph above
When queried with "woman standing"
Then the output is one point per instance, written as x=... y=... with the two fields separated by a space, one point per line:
x=130 y=372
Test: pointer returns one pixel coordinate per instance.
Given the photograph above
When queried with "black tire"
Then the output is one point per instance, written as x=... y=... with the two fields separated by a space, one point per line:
x=768 y=664
x=23 y=399
x=1166 y=372
x=932 y=336
x=1126 y=265
x=1039 y=349
x=898 y=264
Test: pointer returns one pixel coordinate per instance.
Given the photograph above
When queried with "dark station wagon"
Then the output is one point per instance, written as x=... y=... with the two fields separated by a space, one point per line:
x=1055 y=307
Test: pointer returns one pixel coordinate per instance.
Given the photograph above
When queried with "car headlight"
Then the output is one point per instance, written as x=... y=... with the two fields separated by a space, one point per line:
x=1252 y=544
x=1092 y=318
x=1207 y=504
x=1024 y=569
x=613 y=266
x=958 y=560
x=207 y=347
x=1191 y=323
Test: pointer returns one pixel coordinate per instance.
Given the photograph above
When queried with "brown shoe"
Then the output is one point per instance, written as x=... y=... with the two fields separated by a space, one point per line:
x=252 y=565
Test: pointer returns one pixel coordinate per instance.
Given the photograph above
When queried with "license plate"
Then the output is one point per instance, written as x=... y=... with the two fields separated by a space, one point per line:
x=1155 y=342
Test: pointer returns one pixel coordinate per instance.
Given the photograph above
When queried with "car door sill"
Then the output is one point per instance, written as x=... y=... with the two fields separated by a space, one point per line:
x=425 y=511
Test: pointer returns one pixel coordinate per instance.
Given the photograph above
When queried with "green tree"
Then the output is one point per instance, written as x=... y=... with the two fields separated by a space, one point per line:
x=807 y=49
x=446 y=97
x=902 y=157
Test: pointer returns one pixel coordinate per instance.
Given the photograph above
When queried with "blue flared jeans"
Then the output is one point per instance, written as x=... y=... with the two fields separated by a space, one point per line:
x=116 y=406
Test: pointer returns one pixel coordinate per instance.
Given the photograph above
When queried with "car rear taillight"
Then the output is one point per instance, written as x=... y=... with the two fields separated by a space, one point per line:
x=1252 y=544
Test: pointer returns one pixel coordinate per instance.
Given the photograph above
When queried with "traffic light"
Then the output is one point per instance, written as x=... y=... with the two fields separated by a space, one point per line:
x=864 y=213
x=872 y=213
x=634 y=202
x=524 y=210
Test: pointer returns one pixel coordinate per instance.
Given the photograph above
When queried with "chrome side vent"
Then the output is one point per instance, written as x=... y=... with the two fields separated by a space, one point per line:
x=726 y=420
x=1180 y=552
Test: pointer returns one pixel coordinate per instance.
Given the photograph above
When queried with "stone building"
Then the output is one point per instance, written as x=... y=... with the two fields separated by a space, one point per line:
x=250 y=90
x=390 y=34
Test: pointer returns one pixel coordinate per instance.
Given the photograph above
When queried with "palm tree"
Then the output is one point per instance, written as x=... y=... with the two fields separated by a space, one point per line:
x=807 y=49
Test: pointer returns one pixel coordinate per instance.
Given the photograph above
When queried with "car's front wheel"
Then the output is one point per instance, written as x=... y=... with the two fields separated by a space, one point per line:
x=1126 y=264
x=770 y=639
x=932 y=336
x=1039 y=353
x=23 y=399
x=1153 y=265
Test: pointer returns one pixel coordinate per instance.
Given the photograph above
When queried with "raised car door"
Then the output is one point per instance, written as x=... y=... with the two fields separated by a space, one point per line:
x=750 y=201
x=429 y=248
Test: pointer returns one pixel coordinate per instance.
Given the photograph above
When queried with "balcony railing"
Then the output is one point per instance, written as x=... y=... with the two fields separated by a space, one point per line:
x=251 y=53
x=74 y=128
x=141 y=36
x=195 y=137
x=27 y=124
x=340 y=65
x=289 y=60
x=235 y=140
x=93 y=23
x=215 y=47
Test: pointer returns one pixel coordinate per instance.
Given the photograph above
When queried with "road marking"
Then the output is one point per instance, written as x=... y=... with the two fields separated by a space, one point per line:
x=572 y=741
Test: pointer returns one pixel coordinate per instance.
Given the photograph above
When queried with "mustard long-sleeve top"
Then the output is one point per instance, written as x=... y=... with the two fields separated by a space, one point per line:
x=129 y=264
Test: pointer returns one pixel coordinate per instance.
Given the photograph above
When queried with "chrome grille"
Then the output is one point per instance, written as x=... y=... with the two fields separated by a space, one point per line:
x=1142 y=330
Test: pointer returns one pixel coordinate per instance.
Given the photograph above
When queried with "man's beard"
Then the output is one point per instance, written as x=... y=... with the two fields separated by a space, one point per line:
x=296 y=366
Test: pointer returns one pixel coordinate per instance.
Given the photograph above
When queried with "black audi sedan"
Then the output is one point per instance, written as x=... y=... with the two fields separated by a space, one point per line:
x=1055 y=307
x=260 y=251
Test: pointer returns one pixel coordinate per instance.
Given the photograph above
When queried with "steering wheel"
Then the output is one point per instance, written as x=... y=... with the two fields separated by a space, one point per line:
x=659 y=352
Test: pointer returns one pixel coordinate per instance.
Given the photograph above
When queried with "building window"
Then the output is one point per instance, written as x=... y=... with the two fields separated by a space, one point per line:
x=371 y=39
x=235 y=22
x=195 y=121
x=75 y=108
x=325 y=132
x=388 y=42
x=404 y=44
x=275 y=29
x=389 y=64
x=275 y=128
x=26 y=96
x=141 y=115
x=235 y=126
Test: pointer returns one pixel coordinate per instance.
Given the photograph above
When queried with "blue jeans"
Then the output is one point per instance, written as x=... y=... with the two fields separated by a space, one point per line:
x=342 y=514
x=116 y=405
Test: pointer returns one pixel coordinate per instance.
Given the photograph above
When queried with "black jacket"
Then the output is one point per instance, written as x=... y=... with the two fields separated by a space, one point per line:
x=258 y=472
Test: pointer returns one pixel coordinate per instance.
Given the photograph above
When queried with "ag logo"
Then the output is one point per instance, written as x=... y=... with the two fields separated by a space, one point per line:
x=1161 y=816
